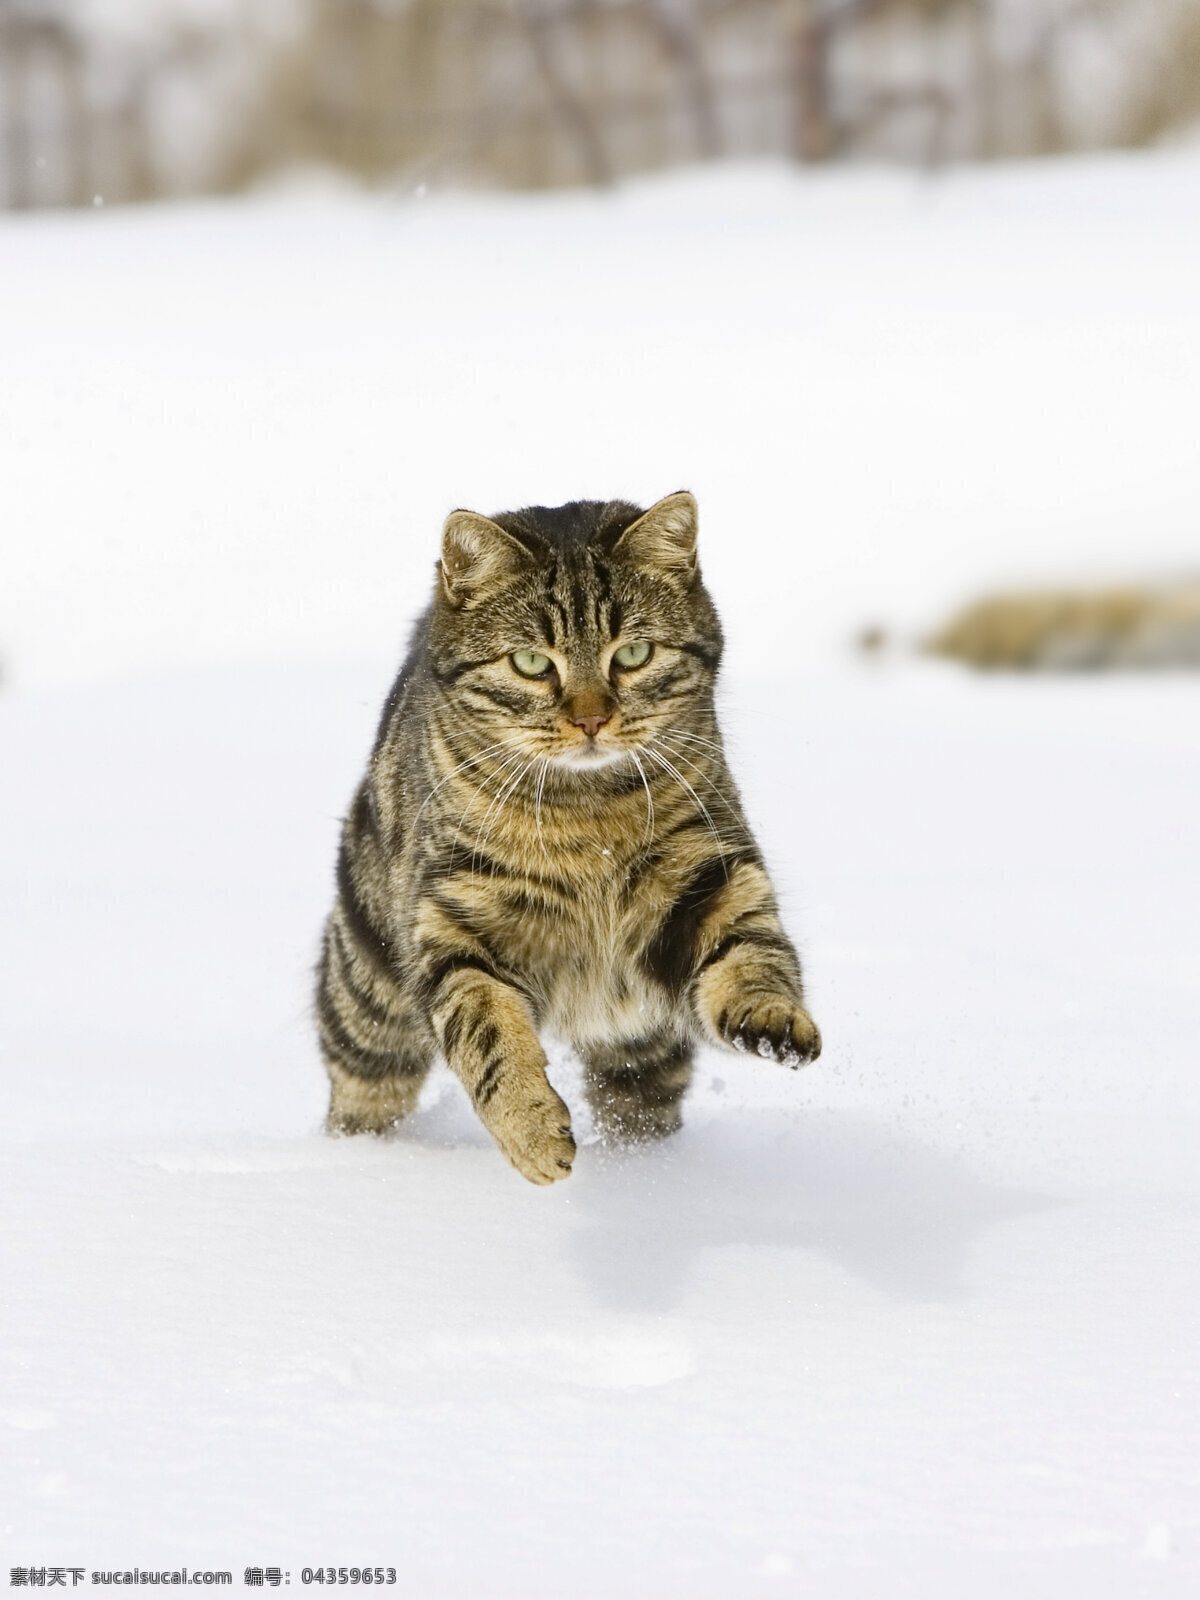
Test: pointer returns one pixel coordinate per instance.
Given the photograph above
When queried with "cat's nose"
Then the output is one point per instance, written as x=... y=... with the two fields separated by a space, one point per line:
x=592 y=725
x=589 y=708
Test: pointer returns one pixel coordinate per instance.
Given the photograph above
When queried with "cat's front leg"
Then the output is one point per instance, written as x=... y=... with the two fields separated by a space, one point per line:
x=485 y=1029
x=745 y=1002
x=746 y=988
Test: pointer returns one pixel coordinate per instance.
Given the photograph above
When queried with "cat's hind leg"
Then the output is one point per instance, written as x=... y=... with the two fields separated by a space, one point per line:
x=635 y=1087
x=376 y=1048
x=370 y=1105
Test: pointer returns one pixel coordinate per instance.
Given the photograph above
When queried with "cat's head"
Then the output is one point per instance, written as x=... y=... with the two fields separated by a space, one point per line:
x=574 y=633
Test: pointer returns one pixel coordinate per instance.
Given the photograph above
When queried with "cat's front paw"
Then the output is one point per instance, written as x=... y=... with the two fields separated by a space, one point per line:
x=534 y=1131
x=773 y=1027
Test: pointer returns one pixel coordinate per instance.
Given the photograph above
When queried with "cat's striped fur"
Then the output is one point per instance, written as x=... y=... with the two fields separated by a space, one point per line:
x=561 y=853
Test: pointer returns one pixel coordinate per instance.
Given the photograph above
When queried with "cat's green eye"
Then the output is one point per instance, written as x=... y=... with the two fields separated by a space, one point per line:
x=633 y=655
x=531 y=663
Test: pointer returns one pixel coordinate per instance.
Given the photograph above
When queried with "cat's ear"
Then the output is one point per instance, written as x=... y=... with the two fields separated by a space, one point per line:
x=663 y=539
x=478 y=557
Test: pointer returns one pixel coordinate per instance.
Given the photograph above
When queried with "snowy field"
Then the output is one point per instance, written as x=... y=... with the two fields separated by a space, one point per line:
x=923 y=1320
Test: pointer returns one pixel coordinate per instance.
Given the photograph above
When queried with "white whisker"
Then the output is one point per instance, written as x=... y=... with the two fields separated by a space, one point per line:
x=497 y=805
x=471 y=761
x=537 y=805
x=704 y=811
x=696 y=767
x=500 y=773
x=649 y=797
x=695 y=738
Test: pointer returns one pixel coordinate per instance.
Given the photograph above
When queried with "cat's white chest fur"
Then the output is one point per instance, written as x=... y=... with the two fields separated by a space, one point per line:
x=595 y=986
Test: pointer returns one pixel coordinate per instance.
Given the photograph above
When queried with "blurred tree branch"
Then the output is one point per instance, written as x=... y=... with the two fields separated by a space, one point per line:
x=537 y=92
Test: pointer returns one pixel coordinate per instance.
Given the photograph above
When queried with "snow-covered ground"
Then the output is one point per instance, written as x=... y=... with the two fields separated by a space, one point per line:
x=922 y=1320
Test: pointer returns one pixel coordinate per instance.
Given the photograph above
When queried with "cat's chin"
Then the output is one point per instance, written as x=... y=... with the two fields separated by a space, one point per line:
x=590 y=758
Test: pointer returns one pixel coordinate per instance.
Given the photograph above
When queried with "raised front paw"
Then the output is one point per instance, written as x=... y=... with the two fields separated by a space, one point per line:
x=773 y=1027
x=533 y=1128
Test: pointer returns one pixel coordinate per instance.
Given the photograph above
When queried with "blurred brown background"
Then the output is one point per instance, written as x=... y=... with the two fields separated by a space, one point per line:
x=139 y=99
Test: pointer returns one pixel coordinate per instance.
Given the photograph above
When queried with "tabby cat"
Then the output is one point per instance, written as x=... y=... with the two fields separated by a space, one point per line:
x=547 y=838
